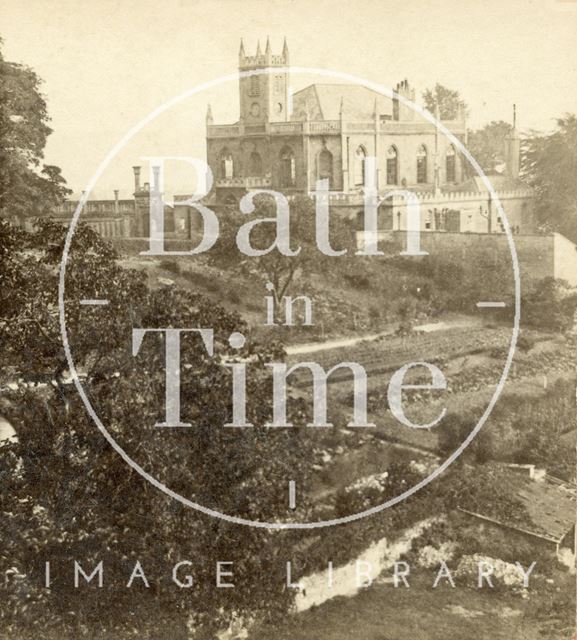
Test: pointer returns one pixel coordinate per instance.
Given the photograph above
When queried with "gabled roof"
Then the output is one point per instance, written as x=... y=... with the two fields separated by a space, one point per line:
x=550 y=505
x=323 y=102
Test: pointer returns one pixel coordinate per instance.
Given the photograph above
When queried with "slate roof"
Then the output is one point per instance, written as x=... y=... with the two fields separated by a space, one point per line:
x=550 y=505
x=323 y=102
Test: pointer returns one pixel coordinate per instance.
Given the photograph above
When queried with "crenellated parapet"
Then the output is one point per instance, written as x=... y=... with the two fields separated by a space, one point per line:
x=428 y=198
x=259 y=59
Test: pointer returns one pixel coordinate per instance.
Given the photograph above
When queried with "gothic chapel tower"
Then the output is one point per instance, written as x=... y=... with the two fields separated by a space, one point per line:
x=264 y=97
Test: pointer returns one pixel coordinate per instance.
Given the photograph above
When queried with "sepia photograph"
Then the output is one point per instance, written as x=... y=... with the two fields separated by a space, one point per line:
x=288 y=320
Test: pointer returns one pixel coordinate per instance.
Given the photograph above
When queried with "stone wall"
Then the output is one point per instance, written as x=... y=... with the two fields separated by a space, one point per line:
x=565 y=259
x=539 y=256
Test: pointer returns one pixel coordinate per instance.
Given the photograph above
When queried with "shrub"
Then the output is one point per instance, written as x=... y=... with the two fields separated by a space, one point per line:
x=550 y=306
x=525 y=343
x=233 y=296
x=170 y=265
x=357 y=280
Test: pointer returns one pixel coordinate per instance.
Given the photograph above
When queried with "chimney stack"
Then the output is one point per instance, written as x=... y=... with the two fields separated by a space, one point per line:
x=136 y=178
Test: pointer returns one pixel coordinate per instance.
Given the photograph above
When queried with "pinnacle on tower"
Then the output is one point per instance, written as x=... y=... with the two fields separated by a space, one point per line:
x=285 y=51
x=267 y=50
x=241 y=53
x=513 y=148
x=258 y=51
x=209 y=119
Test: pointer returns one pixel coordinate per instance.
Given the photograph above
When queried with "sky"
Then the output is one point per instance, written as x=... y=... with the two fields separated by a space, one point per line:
x=106 y=64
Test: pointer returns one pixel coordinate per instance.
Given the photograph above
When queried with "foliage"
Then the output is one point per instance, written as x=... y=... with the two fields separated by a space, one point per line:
x=473 y=487
x=520 y=430
x=449 y=101
x=549 y=164
x=67 y=495
x=550 y=305
x=488 y=145
x=27 y=187
x=276 y=268
x=373 y=490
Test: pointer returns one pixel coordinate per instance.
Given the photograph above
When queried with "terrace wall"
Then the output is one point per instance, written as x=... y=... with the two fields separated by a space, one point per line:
x=539 y=256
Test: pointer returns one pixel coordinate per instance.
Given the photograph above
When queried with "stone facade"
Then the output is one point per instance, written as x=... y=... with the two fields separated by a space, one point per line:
x=326 y=131
x=127 y=218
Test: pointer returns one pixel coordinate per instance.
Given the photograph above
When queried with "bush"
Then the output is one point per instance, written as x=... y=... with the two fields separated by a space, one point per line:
x=233 y=296
x=550 y=306
x=525 y=343
x=357 y=280
x=170 y=265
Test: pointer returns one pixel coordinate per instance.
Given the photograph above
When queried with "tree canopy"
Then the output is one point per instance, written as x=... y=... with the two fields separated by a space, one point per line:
x=27 y=186
x=67 y=495
x=449 y=101
x=274 y=267
x=488 y=145
x=549 y=164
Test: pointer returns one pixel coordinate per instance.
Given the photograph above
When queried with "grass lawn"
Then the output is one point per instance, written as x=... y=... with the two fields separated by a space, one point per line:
x=422 y=613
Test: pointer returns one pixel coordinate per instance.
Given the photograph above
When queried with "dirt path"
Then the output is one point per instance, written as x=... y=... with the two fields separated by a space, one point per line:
x=338 y=343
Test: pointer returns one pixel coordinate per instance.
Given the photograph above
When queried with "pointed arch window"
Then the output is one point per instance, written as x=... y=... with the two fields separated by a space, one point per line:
x=422 y=164
x=325 y=166
x=451 y=164
x=287 y=167
x=392 y=165
x=255 y=164
x=226 y=164
x=360 y=158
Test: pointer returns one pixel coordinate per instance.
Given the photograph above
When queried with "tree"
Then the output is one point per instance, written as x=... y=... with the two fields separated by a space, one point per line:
x=274 y=267
x=27 y=187
x=549 y=164
x=67 y=495
x=488 y=145
x=449 y=101
x=550 y=305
